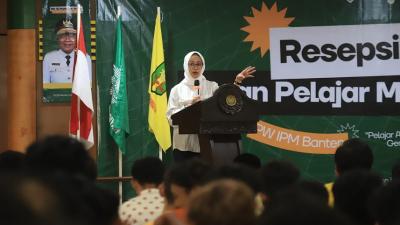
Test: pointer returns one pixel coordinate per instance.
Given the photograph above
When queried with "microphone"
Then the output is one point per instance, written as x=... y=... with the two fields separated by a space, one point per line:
x=197 y=85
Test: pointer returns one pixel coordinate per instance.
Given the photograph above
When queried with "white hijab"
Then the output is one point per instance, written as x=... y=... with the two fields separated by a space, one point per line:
x=189 y=80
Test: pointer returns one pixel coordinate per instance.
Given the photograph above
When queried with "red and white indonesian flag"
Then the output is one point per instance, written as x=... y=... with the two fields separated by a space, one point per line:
x=81 y=125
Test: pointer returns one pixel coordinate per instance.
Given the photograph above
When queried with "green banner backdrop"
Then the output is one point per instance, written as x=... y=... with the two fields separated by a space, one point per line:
x=217 y=29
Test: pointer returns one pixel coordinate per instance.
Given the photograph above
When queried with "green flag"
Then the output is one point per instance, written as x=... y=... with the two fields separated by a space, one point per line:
x=119 y=121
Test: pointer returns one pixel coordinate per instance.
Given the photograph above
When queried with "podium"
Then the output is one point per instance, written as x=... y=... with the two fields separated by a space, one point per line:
x=219 y=121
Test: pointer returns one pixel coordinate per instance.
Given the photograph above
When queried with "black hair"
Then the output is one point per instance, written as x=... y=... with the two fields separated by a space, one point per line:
x=352 y=190
x=396 y=170
x=148 y=170
x=12 y=160
x=277 y=175
x=353 y=154
x=296 y=207
x=249 y=176
x=15 y=209
x=315 y=189
x=187 y=174
x=385 y=204
x=60 y=154
x=248 y=160
x=82 y=201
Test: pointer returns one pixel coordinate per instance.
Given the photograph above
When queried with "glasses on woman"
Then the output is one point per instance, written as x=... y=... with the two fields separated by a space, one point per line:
x=194 y=65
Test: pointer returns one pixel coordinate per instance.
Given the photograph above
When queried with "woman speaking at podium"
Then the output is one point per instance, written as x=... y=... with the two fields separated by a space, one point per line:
x=193 y=88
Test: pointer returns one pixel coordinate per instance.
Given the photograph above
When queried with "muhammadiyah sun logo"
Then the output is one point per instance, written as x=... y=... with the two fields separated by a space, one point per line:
x=260 y=23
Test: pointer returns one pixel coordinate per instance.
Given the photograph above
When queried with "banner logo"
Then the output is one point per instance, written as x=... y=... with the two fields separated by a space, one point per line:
x=260 y=24
x=157 y=85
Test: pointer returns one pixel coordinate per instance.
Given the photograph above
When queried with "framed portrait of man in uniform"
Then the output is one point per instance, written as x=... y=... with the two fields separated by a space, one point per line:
x=59 y=44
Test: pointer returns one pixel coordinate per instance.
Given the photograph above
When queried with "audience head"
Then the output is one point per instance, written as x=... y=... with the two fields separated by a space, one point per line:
x=314 y=188
x=27 y=200
x=353 y=154
x=181 y=178
x=293 y=206
x=396 y=171
x=82 y=200
x=103 y=204
x=60 y=154
x=352 y=191
x=12 y=161
x=222 y=202
x=385 y=204
x=278 y=175
x=247 y=175
x=248 y=159
x=148 y=170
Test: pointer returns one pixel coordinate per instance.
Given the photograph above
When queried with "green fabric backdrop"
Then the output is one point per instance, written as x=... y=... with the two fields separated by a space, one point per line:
x=213 y=28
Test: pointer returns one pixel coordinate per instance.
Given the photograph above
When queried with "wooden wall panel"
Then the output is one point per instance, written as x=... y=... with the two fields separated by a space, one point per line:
x=21 y=93
x=3 y=93
x=3 y=75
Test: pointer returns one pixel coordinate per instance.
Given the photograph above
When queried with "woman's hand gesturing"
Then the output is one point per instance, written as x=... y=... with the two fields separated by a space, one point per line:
x=247 y=72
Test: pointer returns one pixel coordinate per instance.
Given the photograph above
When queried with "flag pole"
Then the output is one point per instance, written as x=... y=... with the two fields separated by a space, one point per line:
x=160 y=152
x=78 y=22
x=120 y=175
x=119 y=151
x=159 y=146
x=78 y=26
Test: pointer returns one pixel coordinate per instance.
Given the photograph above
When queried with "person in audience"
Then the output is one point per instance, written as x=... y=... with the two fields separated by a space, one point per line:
x=396 y=171
x=55 y=199
x=278 y=175
x=82 y=200
x=385 y=204
x=294 y=206
x=248 y=175
x=12 y=161
x=352 y=154
x=222 y=202
x=60 y=154
x=105 y=204
x=186 y=93
x=248 y=159
x=352 y=191
x=147 y=175
x=179 y=181
x=314 y=188
x=27 y=201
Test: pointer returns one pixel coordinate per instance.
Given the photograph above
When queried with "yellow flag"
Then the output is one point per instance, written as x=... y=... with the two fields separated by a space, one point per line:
x=158 y=123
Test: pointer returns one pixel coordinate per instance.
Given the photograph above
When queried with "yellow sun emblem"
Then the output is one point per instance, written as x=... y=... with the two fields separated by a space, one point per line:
x=260 y=23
